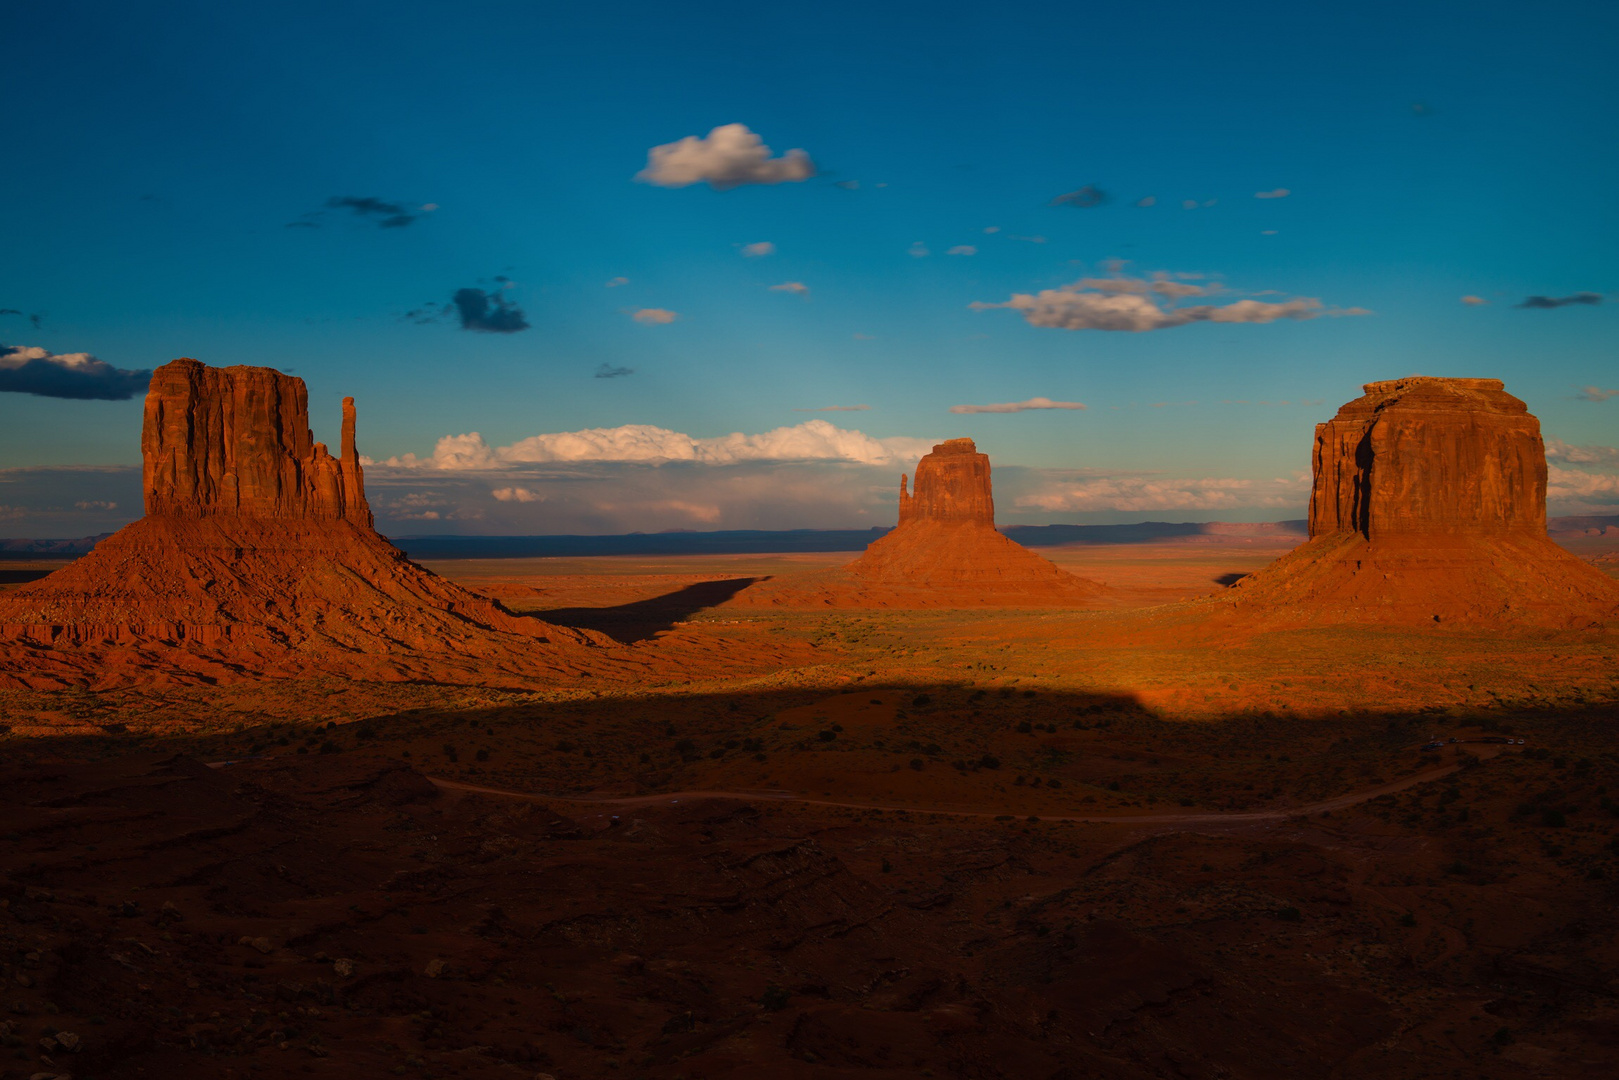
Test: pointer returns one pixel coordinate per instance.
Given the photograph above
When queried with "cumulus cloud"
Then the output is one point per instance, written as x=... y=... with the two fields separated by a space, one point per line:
x=609 y=371
x=654 y=316
x=1595 y=393
x=1474 y=301
x=758 y=250
x=1561 y=301
x=729 y=156
x=1082 y=198
x=487 y=312
x=1034 y=403
x=813 y=440
x=1277 y=193
x=838 y=408
x=29 y=369
x=613 y=283
x=1579 y=489
x=797 y=288
x=1139 y=493
x=1136 y=305
x=962 y=249
x=516 y=494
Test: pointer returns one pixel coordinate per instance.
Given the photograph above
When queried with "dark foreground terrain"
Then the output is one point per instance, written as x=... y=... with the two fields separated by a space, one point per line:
x=337 y=913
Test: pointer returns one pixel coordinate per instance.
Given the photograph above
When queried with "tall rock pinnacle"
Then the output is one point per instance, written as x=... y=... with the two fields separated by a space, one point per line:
x=952 y=484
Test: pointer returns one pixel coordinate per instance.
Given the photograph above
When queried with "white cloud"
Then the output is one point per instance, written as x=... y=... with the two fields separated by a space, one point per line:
x=1474 y=301
x=516 y=494
x=813 y=440
x=1148 y=493
x=758 y=250
x=613 y=283
x=797 y=288
x=1560 y=451
x=1033 y=403
x=962 y=249
x=1576 y=486
x=1278 y=193
x=992 y=228
x=728 y=157
x=1121 y=303
x=654 y=316
x=919 y=250
x=1595 y=393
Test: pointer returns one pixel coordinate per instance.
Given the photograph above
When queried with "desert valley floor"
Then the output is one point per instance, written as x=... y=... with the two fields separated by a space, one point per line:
x=1049 y=843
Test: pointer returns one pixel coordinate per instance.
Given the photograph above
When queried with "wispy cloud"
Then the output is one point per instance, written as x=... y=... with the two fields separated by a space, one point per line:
x=29 y=369
x=1559 y=451
x=813 y=440
x=613 y=283
x=1474 y=301
x=1577 y=299
x=728 y=157
x=1082 y=198
x=838 y=408
x=608 y=371
x=962 y=249
x=758 y=250
x=384 y=213
x=797 y=288
x=1033 y=404
x=1136 y=305
x=918 y=250
x=1147 y=200
x=654 y=316
x=1147 y=492
x=488 y=312
x=1595 y=393
x=1276 y=193
x=33 y=319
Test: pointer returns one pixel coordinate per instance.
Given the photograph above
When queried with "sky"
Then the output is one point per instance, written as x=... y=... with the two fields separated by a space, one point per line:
x=634 y=266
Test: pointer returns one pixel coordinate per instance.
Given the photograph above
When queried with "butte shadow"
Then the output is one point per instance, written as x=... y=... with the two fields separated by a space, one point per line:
x=257 y=556
x=643 y=620
x=945 y=552
x=1429 y=507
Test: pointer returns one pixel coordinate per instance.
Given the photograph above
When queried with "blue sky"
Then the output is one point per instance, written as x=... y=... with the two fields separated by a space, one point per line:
x=159 y=159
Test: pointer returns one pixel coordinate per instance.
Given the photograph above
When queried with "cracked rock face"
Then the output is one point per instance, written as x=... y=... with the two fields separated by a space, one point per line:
x=1430 y=455
x=236 y=441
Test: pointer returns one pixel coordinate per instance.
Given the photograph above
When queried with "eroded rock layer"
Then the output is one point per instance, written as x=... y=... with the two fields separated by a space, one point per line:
x=257 y=556
x=945 y=552
x=1429 y=506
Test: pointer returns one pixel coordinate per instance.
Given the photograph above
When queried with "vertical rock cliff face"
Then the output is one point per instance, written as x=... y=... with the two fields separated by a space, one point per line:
x=1427 y=455
x=257 y=555
x=236 y=441
x=1429 y=506
x=952 y=484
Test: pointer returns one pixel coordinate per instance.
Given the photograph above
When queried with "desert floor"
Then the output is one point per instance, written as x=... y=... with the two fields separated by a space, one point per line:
x=986 y=843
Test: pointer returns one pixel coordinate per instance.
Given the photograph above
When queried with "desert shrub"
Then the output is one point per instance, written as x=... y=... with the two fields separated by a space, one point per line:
x=775 y=998
x=1054 y=783
x=921 y=701
x=918 y=764
x=685 y=746
x=1289 y=914
x=329 y=747
x=1408 y=919
x=645 y=758
x=564 y=747
x=1553 y=818
x=482 y=755
x=989 y=761
x=449 y=751
x=828 y=735
x=1025 y=728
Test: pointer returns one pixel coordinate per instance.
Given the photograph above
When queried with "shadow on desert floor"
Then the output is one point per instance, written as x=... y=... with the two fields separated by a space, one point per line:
x=641 y=620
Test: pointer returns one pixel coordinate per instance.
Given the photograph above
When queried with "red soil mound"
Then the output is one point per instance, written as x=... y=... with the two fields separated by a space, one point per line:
x=257 y=556
x=1429 y=505
x=945 y=552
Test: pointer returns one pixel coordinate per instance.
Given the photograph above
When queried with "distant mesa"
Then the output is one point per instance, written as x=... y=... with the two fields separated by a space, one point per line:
x=945 y=552
x=257 y=555
x=1429 y=506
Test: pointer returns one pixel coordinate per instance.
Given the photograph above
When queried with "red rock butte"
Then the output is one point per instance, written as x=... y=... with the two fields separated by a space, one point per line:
x=1429 y=506
x=257 y=556
x=945 y=552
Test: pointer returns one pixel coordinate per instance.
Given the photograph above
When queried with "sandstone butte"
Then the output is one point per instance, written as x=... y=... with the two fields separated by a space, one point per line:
x=1429 y=506
x=945 y=552
x=257 y=556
